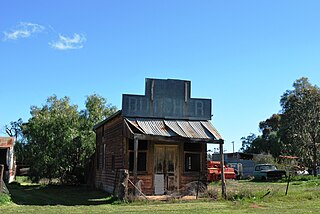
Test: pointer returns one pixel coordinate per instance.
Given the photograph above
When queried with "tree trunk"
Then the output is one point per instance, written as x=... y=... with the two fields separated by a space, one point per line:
x=314 y=163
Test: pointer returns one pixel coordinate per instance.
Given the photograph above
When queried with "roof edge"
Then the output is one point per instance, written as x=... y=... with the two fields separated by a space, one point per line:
x=95 y=127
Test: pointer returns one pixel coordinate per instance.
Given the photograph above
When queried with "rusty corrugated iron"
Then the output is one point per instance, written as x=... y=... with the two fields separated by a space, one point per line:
x=171 y=128
x=211 y=129
x=174 y=126
x=154 y=127
x=6 y=142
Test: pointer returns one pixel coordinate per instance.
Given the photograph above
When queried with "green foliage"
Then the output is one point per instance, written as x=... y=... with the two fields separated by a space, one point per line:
x=241 y=194
x=4 y=198
x=295 y=131
x=264 y=158
x=60 y=139
x=300 y=123
x=269 y=142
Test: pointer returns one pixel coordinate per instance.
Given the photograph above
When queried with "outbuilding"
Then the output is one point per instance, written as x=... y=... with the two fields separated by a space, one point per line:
x=160 y=138
x=7 y=159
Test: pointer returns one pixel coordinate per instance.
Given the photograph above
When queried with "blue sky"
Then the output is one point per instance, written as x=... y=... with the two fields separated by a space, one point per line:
x=241 y=54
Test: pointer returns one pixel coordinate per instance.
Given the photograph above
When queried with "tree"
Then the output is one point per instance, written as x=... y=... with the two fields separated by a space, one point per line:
x=270 y=125
x=300 y=123
x=247 y=143
x=61 y=139
x=50 y=132
x=96 y=111
x=14 y=129
x=20 y=146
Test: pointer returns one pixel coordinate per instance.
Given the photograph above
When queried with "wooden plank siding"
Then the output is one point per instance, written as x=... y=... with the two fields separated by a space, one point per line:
x=110 y=153
x=112 y=145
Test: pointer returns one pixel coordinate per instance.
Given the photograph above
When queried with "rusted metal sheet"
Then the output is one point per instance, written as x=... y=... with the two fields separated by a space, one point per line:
x=200 y=130
x=174 y=126
x=171 y=128
x=154 y=127
x=187 y=128
x=134 y=123
x=6 y=142
x=211 y=128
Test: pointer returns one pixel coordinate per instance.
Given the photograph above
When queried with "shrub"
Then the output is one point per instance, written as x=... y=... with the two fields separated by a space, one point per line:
x=211 y=193
x=240 y=194
x=4 y=198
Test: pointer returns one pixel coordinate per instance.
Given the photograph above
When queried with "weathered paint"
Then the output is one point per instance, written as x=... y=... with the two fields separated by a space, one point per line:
x=166 y=99
x=165 y=117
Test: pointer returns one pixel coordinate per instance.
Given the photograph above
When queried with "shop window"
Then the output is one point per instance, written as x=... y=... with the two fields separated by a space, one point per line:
x=142 y=161
x=142 y=155
x=192 y=162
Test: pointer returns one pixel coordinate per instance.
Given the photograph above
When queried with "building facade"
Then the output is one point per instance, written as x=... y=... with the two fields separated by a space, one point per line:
x=160 y=138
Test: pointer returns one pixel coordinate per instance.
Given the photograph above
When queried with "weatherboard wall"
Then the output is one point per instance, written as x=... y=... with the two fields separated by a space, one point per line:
x=110 y=153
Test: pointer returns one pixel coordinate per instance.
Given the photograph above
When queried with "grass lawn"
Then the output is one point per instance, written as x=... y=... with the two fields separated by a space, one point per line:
x=248 y=197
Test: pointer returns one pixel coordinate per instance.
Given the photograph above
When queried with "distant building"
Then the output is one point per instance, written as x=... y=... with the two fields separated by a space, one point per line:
x=245 y=159
x=160 y=138
x=7 y=158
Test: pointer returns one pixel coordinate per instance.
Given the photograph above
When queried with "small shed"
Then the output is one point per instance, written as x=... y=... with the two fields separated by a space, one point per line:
x=160 y=138
x=7 y=158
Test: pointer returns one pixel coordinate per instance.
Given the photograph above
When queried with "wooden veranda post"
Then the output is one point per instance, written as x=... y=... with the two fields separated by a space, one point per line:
x=223 y=181
x=135 y=162
x=1 y=176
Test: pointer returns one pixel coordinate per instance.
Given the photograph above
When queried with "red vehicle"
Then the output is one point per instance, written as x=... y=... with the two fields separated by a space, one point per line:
x=214 y=171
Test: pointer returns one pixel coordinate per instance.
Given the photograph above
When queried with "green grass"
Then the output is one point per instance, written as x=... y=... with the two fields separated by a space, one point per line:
x=245 y=197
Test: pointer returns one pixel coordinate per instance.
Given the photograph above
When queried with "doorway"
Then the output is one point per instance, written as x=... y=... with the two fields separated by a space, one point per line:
x=166 y=169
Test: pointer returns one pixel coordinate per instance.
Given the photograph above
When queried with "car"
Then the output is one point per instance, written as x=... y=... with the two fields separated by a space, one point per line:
x=265 y=172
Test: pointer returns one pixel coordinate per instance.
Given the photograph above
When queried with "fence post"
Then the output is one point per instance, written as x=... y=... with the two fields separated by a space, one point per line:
x=223 y=181
x=122 y=185
x=1 y=176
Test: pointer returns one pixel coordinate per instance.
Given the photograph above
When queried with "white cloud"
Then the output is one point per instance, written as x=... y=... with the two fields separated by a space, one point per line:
x=65 y=43
x=23 y=30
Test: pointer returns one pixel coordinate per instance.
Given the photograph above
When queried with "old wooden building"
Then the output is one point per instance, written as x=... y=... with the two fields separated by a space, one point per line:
x=7 y=158
x=160 y=137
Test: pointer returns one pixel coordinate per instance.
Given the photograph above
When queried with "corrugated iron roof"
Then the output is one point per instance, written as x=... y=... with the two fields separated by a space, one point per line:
x=154 y=127
x=211 y=129
x=170 y=128
x=6 y=142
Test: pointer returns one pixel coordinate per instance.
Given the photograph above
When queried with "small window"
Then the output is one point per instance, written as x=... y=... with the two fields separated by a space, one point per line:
x=257 y=168
x=113 y=163
x=142 y=161
x=142 y=155
x=192 y=162
x=98 y=157
x=104 y=157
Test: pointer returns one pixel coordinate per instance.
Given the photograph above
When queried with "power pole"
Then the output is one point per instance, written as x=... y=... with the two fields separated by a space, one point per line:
x=232 y=146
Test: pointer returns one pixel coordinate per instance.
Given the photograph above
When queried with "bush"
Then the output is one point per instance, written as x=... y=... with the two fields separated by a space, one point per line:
x=4 y=198
x=236 y=195
x=211 y=193
x=302 y=178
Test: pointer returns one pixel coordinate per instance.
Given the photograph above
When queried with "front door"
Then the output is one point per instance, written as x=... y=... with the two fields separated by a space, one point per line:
x=166 y=169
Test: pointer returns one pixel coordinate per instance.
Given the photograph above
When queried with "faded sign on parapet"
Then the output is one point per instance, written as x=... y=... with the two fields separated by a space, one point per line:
x=166 y=99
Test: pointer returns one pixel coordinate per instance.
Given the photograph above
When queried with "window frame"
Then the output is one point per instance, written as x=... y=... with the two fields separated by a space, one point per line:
x=185 y=162
x=144 y=150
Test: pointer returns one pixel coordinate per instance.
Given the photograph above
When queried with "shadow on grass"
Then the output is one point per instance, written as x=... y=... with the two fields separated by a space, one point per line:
x=57 y=195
